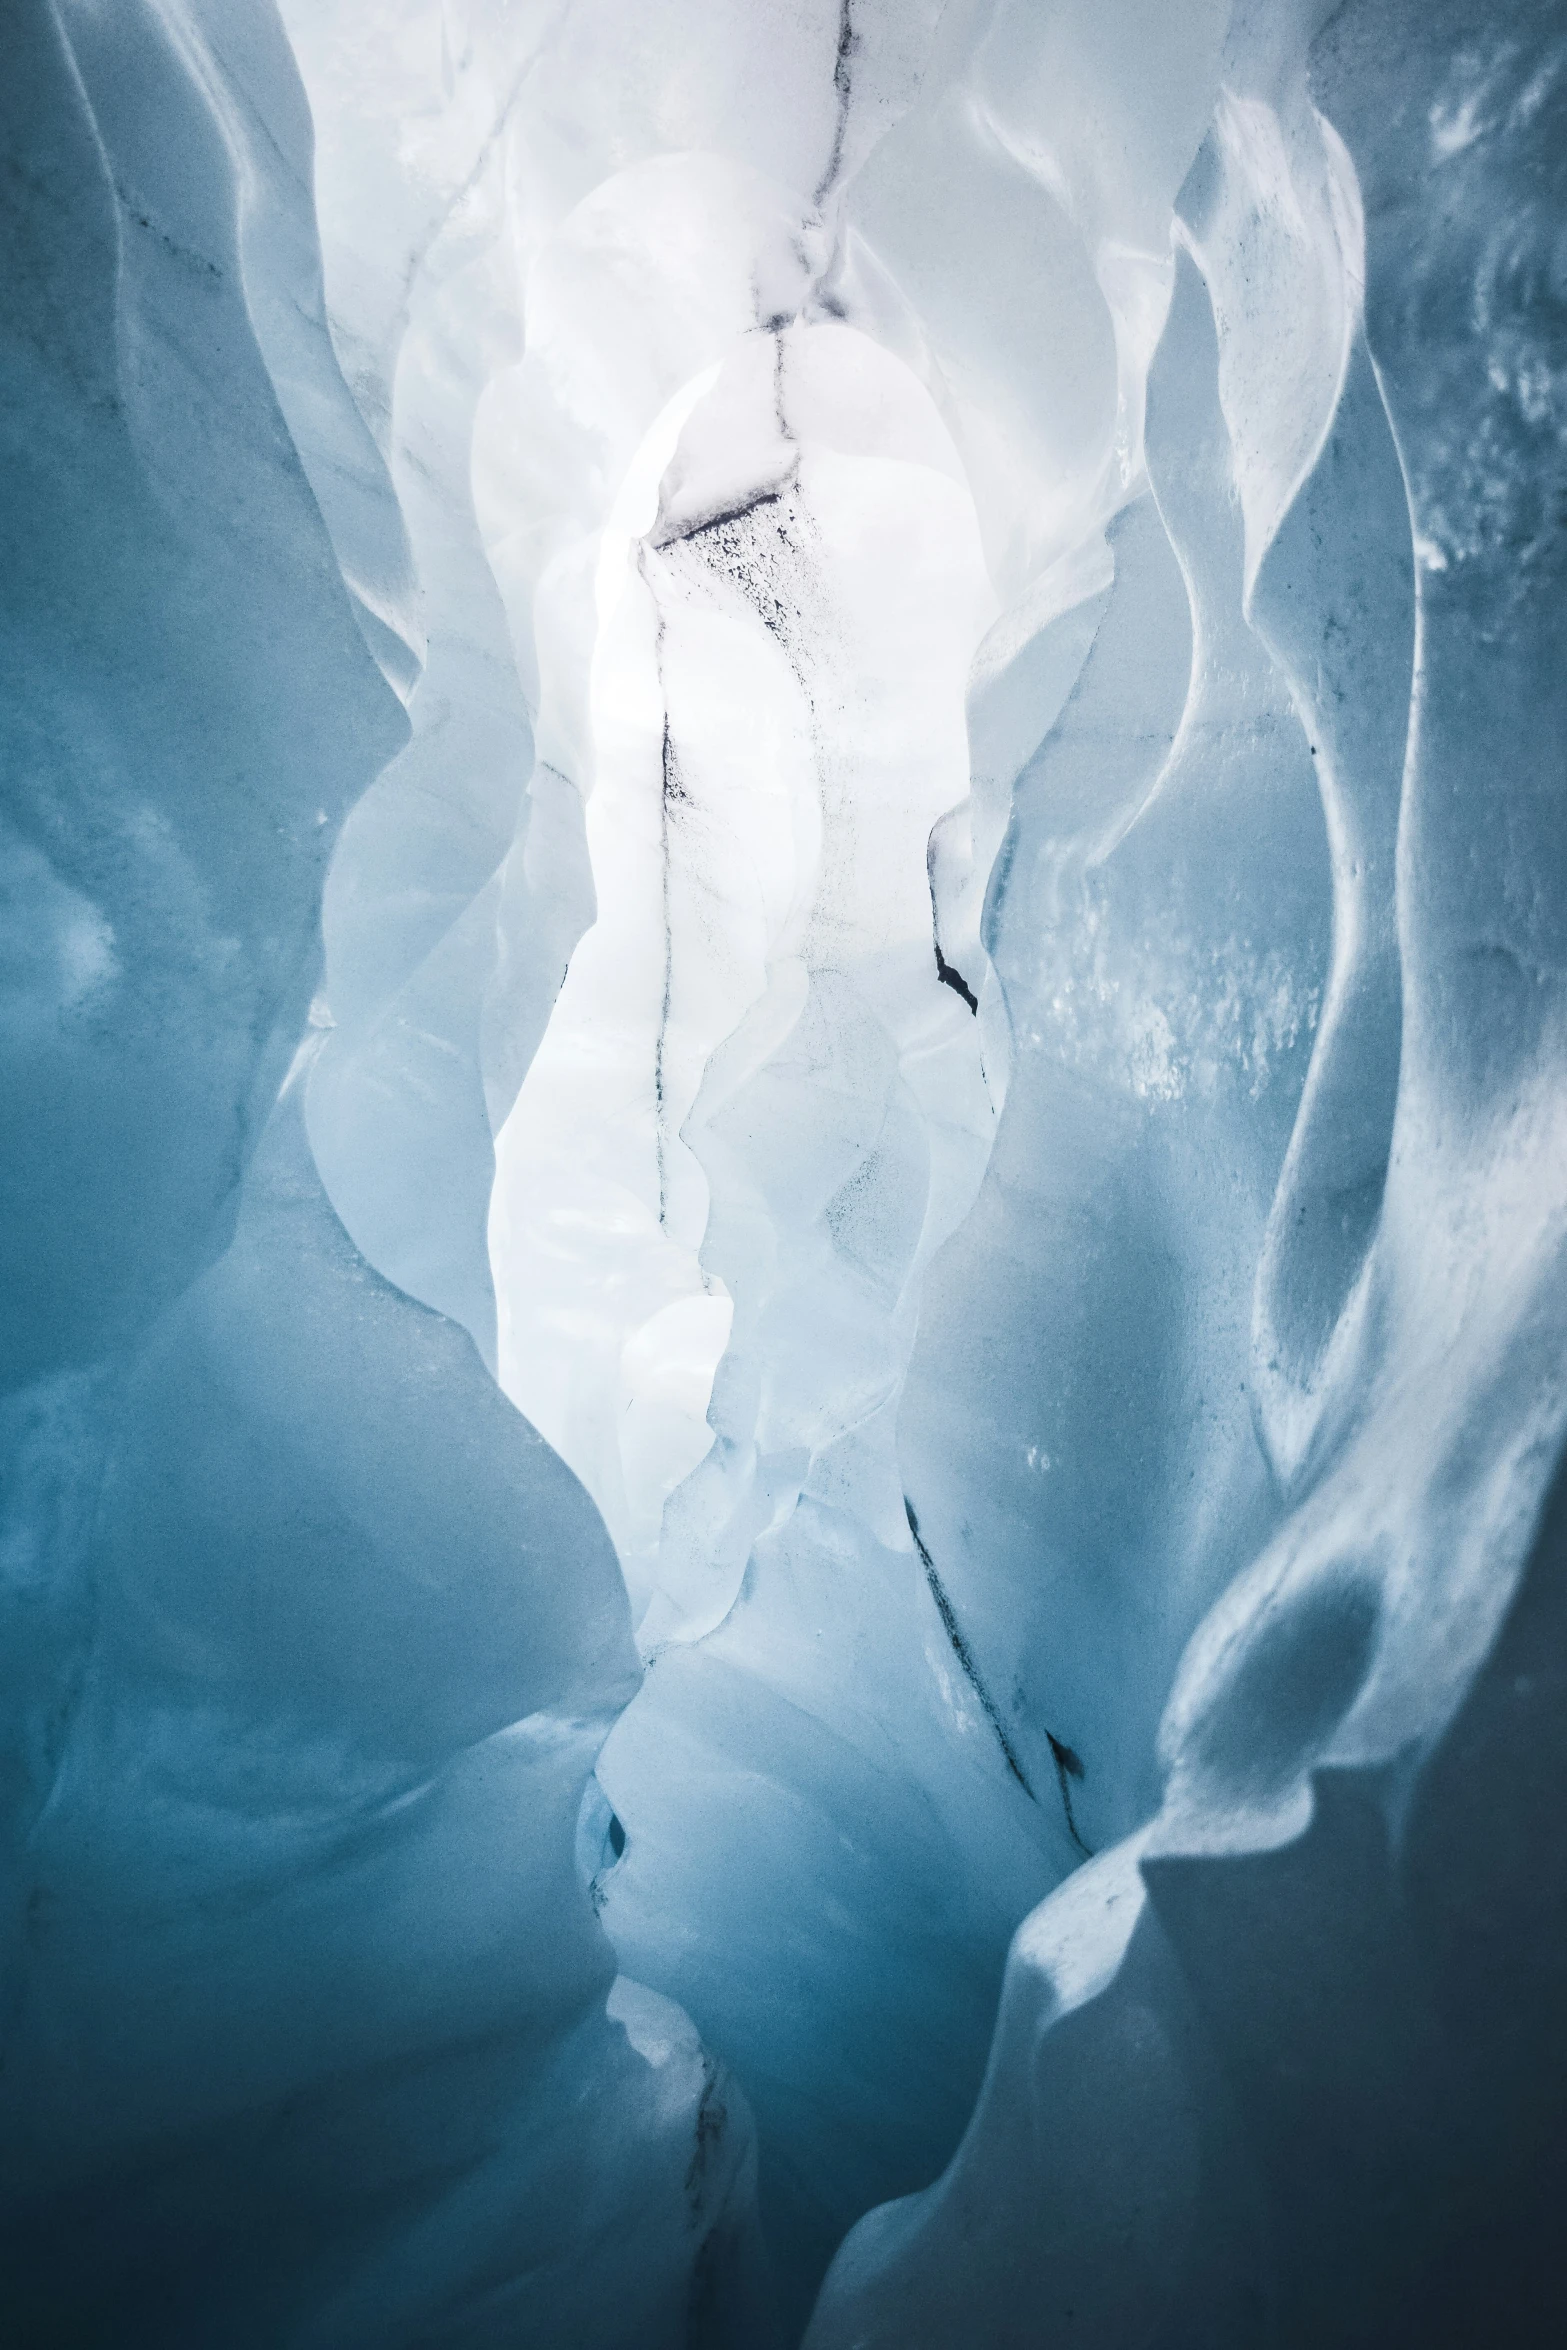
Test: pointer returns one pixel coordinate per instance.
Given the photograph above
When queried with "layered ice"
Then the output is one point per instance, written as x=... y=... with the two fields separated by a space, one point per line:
x=311 y=2031
x=1285 y=2063
x=784 y=1092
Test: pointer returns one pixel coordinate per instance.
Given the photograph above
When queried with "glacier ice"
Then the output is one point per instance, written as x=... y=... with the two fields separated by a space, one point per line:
x=311 y=1641
x=785 y=1073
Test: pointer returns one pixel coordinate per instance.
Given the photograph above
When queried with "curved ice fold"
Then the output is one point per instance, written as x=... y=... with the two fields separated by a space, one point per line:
x=774 y=726
x=310 y=2030
x=1262 y=2025
x=825 y=736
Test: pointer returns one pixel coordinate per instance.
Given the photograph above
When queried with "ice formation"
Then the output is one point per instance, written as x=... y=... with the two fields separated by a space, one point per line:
x=784 y=1006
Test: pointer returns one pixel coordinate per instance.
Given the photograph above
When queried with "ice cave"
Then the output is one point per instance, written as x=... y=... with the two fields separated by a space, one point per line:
x=783 y=993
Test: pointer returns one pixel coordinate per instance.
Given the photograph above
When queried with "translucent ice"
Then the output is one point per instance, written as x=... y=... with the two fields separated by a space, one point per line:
x=822 y=739
x=311 y=2033
x=1286 y=2064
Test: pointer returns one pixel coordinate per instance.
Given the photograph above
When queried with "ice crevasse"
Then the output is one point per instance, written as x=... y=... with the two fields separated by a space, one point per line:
x=783 y=987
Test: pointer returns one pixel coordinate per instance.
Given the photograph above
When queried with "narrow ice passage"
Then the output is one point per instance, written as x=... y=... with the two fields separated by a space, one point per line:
x=783 y=1023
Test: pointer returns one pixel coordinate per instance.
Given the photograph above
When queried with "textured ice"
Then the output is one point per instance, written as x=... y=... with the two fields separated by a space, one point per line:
x=784 y=1008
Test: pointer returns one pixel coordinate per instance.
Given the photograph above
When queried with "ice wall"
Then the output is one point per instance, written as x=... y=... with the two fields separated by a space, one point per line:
x=1285 y=2064
x=825 y=738
x=311 y=2034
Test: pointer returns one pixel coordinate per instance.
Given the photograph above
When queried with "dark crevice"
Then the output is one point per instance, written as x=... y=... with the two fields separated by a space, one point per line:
x=951 y=976
x=842 y=78
x=711 y=522
x=948 y=973
x=1069 y=1765
x=712 y=2121
x=965 y=1655
x=171 y=245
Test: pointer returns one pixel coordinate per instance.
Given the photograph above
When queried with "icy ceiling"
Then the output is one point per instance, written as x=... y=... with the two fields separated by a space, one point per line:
x=784 y=1028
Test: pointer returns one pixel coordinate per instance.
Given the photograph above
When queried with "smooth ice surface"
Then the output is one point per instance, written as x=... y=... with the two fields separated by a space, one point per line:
x=785 y=1070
